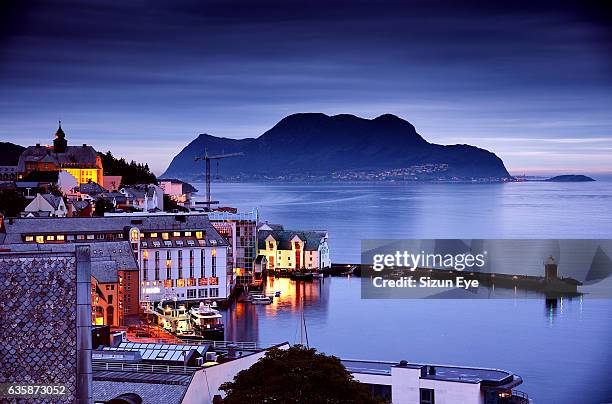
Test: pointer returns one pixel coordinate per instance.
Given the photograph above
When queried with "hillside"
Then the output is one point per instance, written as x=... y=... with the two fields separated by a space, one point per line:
x=318 y=144
x=9 y=153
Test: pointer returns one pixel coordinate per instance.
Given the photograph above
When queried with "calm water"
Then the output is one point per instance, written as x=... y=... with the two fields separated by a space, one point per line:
x=563 y=353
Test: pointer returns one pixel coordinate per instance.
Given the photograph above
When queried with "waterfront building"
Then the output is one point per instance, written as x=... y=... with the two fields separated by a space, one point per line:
x=46 y=205
x=289 y=250
x=240 y=230
x=180 y=256
x=82 y=161
x=179 y=191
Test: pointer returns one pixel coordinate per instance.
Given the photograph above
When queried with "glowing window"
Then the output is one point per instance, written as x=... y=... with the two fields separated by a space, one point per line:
x=165 y=236
x=29 y=238
x=199 y=234
x=40 y=239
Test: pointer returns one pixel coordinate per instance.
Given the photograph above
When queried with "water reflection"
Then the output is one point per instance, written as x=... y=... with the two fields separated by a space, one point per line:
x=243 y=319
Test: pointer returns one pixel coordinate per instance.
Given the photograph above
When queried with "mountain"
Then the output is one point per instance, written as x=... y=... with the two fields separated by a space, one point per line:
x=570 y=178
x=9 y=153
x=317 y=144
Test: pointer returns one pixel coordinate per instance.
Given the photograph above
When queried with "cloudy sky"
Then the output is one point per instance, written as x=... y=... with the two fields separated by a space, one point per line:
x=532 y=83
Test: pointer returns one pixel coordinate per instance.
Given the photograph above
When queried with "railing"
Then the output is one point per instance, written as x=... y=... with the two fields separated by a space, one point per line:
x=142 y=368
x=519 y=397
x=188 y=341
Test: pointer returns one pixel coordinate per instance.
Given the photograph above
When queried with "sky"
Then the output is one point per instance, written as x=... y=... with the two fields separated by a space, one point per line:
x=530 y=82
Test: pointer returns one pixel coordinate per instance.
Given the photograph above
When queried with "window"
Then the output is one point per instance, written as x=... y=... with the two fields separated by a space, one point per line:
x=40 y=239
x=110 y=299
x=153 y=235
x=176 y=234
x=60 y=237
x=427 y=396
x=202 y=264
x=168 y=283
x=191 y=293
x=90 y=237
x=50 y=238
x=187 y=234
x=156 y=259
x=180 y=283
x=213 y=265
x=29 y=238
x=191 y=275
x=199 y=234
x=165 y=236
x=80 y=237
x=214 y=292
x=180 y=259
x=203 y=293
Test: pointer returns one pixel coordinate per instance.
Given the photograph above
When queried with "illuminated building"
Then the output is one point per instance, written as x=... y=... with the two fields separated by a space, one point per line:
x=240 y=230
x=180 y=256
x=288 y=250
x=82 y=162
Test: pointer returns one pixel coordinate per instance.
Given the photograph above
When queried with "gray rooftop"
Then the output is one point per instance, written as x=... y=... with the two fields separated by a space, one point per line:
x=150 y=392
x=106 y=258
x=84 y=156
x=17 y=227
x=312 y=239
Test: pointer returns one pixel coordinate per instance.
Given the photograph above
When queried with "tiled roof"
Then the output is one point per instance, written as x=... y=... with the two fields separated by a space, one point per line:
x=74 y=155
x=151 y=393
x=53 y=200
x=283 y=238
x=71 y=225
x=38 y=301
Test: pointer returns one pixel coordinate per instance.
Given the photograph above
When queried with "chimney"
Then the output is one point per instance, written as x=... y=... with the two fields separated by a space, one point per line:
x=84 y=145
x=84 y=373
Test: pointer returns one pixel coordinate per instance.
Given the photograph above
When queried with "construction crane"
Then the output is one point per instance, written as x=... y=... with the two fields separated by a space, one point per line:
x=207 y=159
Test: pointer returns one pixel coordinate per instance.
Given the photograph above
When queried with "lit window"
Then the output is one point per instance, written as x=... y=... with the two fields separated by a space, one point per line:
x=180 y=283
x=199 y=234
x=60 y=237
x=153 y=235
x=50 y=238
x=187 y=234
x=29 y=238
x=176 y=234
x=165 y=236
x=40 y=239
x=90 y=237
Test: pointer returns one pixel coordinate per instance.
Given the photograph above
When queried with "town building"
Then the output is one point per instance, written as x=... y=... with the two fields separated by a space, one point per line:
x=145 y=197
x=112 y=182
x=417 y=383
x=8 y=173
x=82 y=161
x=240 y=230
x=289 y=250
x=180 y=256
x=46 y=205
x=114 y=277
x=179 y=191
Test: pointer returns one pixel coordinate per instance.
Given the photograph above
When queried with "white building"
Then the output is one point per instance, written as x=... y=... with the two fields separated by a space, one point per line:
x=46 y=205
x=181 y=192
x=179 y=256
x=146 y=198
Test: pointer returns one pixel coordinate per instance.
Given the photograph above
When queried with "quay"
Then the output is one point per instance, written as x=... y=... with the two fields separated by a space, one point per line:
x=550 y=284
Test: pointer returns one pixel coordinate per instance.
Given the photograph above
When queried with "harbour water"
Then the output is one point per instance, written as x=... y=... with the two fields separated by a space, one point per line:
x=561 y=349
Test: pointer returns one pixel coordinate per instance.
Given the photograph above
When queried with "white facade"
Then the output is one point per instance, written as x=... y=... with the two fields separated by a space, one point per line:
x=51 y=204
x=189 y=273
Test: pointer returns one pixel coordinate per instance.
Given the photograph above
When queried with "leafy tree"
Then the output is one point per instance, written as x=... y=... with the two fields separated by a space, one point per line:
x=296 y=375
x=131 y=173
x=12 y=202
x=102 y=205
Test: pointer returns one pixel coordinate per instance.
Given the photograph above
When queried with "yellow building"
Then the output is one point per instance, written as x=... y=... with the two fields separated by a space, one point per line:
x=290 y=251
x=82 y=162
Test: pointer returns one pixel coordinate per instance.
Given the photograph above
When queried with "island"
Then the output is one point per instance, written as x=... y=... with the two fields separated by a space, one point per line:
x=570 y=178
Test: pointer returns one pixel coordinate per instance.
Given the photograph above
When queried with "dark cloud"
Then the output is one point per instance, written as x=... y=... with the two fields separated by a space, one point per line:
x=168 y=70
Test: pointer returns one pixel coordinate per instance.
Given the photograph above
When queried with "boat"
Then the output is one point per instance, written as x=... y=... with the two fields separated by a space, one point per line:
x=302 y=276
x=172 y=318
x=261 y=299
x=207 y=322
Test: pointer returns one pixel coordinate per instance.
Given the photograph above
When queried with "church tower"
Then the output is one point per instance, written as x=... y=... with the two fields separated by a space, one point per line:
x=60 y=143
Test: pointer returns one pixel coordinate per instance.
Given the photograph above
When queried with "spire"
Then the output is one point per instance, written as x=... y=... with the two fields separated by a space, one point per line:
x=60 y=143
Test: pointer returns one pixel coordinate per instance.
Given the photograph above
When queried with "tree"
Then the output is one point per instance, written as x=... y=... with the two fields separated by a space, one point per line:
x=131 y=173
x=12 y=202
x=103 y=205
x=296 y=375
